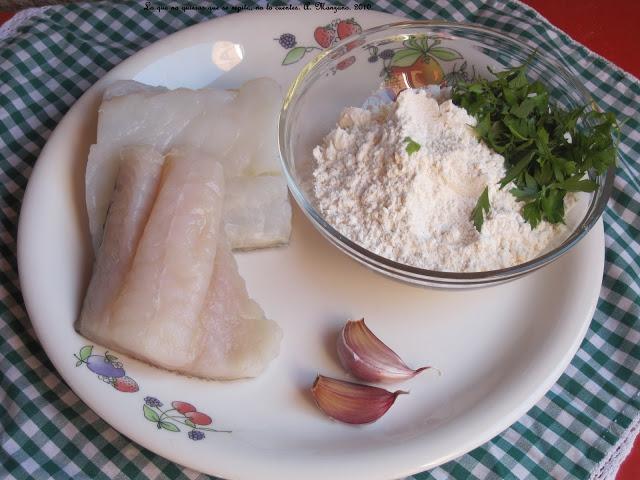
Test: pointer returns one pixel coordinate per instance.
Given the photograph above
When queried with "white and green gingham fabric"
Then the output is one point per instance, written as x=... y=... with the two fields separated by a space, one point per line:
x=582 y=428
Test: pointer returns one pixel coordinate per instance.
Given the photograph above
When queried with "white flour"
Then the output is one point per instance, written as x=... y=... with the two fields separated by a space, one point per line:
x=415 y=209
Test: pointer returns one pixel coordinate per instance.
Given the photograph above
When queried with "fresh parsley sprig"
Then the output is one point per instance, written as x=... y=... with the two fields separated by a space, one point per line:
x=546 y=150
x=412 y=146
x=481 y=209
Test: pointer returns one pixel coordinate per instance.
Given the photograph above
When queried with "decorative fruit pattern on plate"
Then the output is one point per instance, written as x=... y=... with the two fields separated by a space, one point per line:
x=325 y=36
x=108 y=369
x=416 y=64
x=180 y=413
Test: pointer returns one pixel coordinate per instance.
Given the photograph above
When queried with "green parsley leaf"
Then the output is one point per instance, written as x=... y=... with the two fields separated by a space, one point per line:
x=526 y=193
x=532 y=213
x=578 y=184
x=481 y=209
x=552 y=203
x=548 y=150
x=517 y=169
x=412 y=147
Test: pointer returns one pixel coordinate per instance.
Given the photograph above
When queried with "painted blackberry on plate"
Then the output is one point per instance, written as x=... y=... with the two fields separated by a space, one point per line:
x=110 y=370
x=287 y=40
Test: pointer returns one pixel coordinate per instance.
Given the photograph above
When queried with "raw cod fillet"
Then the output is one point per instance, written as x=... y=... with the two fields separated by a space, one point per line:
x=165 y=286
x=155 y=315
x=133 y=197
x=237 y=127
x=236 y=338
x=257 y=211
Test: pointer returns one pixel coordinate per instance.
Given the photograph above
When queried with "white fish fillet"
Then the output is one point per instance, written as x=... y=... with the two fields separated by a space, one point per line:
x=133 y=197
x=155 y=316
x=165 y=119
x=236 y=127
x=176 y=299
x=236 y=338
x=257 y=211
x=257 y=105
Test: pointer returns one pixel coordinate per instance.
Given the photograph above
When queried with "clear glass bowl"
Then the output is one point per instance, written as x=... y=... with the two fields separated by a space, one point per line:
x=350 y=72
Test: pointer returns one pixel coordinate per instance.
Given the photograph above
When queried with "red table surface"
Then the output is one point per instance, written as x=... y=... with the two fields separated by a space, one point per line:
x=609 y=28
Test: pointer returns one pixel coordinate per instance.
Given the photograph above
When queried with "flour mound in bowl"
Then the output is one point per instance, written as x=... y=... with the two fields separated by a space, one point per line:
x=415 y=208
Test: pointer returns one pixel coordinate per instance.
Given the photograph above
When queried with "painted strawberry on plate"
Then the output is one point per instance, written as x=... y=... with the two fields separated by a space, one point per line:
x=325 y=36
x=125 y=384
x=346 y=28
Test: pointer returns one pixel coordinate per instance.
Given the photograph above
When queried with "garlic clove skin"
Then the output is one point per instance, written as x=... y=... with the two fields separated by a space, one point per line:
x=367 y=358
x=350 y=402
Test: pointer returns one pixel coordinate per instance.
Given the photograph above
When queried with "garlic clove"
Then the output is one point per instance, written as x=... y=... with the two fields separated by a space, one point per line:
x=365 y=356
x=350 y=402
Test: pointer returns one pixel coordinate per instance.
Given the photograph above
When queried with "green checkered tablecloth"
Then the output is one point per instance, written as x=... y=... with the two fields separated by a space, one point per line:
x=580 y=429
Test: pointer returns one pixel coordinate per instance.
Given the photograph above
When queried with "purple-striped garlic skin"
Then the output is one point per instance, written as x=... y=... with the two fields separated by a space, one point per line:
x=350 y=402
x=367 y=358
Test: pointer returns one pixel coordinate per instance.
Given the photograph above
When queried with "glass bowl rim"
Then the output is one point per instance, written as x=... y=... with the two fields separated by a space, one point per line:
x=421 y=275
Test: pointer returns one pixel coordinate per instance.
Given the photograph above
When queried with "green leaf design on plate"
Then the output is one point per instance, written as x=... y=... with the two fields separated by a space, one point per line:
x=110 y=357
x=423 y=42
x=446 y=54
x=150 y=414
x=169 y=426
x=405 y=57
x=189 y=423
x=85 y=352
x=294 y=55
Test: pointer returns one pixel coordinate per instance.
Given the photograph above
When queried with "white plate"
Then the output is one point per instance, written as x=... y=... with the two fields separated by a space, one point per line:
x=500 y=349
